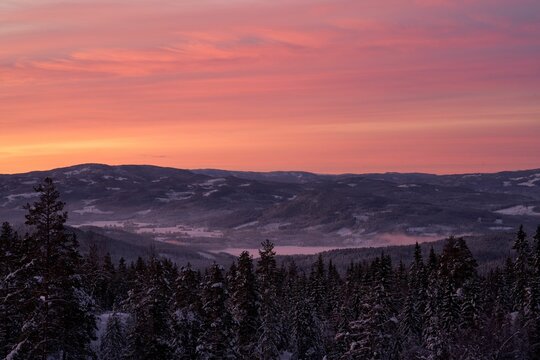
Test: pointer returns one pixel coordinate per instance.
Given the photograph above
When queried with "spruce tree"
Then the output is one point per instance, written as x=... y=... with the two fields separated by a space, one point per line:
x=269 y=334
x=307 y=331
x=415 y=303
x=58 y=319
x=521 y=272
x=244 y=305
x=10 y=274
x=216 y=341
x=187 y=317
x=109 y=275
x=113 y=340
x=149 y=334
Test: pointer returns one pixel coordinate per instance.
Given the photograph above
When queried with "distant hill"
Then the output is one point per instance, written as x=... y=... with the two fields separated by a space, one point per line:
x=489 y=251
x=218 y=208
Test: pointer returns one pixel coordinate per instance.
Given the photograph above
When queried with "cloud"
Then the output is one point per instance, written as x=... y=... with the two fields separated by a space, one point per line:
x=273 y=76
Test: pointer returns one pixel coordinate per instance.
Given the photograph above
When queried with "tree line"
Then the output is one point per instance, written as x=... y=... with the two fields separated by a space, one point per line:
x=441 y=307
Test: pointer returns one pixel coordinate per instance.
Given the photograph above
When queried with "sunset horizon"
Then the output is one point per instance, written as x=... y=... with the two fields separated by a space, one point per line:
x=266 y=170
x=325 y=86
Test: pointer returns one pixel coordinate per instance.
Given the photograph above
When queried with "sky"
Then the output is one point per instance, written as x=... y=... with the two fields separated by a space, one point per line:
x=331 y=86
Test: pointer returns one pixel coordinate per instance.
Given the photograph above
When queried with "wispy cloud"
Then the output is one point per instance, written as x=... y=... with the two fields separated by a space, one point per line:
x=279 y=77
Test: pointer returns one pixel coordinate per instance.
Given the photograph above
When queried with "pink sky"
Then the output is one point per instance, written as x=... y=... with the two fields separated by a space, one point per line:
x=326 y=86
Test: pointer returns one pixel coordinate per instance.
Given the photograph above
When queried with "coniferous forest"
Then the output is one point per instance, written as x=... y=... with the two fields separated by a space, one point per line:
x=58 y=304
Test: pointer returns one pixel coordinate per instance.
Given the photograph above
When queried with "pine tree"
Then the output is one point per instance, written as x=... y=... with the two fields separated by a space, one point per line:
x=317 y=286
x=216 y=341
x=95 y=278
x=521 y=271
x=113 y=340
x=434 y=336
x=415 y=303
x=10 y=258
x=244 y=305
x=109 y=275
x=58 y=319
x=120 y=283
x=269 y=334
x=374 y=334
x=149 y=333
x=307 y=331
x=187 y=317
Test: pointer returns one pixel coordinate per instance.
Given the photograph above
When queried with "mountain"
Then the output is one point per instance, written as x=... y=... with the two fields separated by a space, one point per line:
x=220 y=209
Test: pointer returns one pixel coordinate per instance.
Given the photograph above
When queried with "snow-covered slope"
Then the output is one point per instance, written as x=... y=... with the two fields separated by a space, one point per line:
x=232 y=208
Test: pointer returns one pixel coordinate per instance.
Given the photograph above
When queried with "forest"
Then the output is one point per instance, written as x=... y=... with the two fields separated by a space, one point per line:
x=56 y=303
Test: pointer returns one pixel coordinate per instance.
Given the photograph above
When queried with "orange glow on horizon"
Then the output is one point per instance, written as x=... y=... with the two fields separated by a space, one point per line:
x=325 y=86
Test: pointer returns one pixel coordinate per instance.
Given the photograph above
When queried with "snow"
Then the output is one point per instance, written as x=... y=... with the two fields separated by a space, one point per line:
x=103 y=223
x=206 y=255
x=101 y=323
x=417 y=229
x=14 y=353
x=184 y=230
x=500 y=228
x=519 y=210
x=407 y=186
x=113 y=188
x=148 y=228
x=532 y=181
x=513 y=316
x=274 y=226
x=143 y=212
x=90 y=182
x=344 y=232
x=76 y=172
x=207 y=194
x=91 y=209
x=159 y=180
x=249 y=224
x=286 y=355
x=352 y=185
x=30 y=182
x=176 y=196
x=212 y=182
x=245 y=185
x=471 y=175
x=507 y=183
x=361 y=217
x=14 y=197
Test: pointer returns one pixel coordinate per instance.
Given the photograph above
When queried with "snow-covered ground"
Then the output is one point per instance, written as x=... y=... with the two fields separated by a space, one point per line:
x=91 y=209
x=208 y=193
x=103 y=224
x=176 y=196
x=519 y=210
x=212 y=182
x=184 y=230
x=407 y=186
x=14 y=197
x=246 y=225
x=531 y=181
